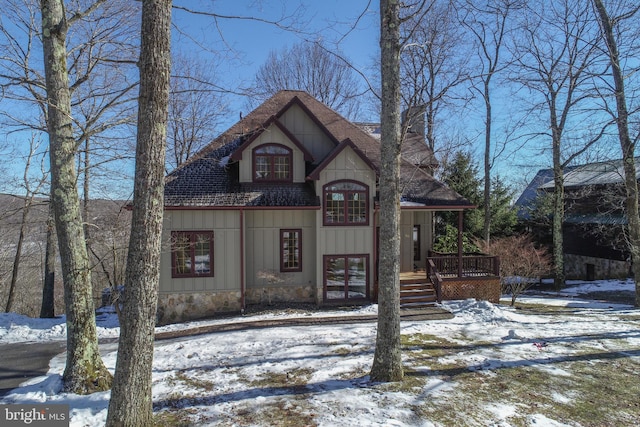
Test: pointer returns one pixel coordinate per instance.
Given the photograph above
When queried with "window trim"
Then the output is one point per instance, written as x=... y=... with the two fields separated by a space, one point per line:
x=346 y=221
x=326 y=258
x=271 y=158
x=283 y=267
x=191 y=235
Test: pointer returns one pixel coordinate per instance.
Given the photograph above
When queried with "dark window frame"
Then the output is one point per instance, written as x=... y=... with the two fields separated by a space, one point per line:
x=347 y=214
x=272 y=161
x=283 y=258
x=191 y=235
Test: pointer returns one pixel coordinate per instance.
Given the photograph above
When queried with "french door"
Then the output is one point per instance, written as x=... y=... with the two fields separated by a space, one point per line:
x=346 y=277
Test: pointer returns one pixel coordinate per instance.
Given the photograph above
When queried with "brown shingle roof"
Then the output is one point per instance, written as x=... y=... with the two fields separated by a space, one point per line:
x=208 y=179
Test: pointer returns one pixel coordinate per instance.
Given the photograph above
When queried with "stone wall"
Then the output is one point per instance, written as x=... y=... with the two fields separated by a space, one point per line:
x=580 y=267
x=278 y=294
x=173 y=308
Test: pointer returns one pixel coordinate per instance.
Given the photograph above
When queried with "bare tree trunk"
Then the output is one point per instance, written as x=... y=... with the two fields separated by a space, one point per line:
x=387 y=362
x=131 y=399
x=16 y=258
x=487 y=160
x=47 y=309
x=626 y=143
x=558 y=210
x=84 y=372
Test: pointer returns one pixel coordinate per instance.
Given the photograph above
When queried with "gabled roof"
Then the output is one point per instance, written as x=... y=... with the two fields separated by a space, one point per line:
x=210 y=179
x=575 y=176
x=273 y=120
x=346 y=143
x=600 y=173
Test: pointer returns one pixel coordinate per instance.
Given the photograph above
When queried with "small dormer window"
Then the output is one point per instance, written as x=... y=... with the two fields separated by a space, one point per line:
x=272 y=162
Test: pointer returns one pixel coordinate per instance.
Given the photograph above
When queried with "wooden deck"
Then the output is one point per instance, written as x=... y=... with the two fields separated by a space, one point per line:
x=414 y=275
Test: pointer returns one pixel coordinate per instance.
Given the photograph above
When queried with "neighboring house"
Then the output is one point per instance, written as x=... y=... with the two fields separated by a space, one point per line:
x=283 y=207
x=595 y=218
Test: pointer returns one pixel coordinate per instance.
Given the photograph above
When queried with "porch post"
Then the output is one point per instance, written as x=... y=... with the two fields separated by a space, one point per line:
x=460 y=224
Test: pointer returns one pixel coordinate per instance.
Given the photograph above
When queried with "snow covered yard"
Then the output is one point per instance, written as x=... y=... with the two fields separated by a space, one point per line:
x=559 y=360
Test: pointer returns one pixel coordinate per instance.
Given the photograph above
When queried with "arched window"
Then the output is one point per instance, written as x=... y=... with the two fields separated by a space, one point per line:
x=346 y=203
x=272 y=162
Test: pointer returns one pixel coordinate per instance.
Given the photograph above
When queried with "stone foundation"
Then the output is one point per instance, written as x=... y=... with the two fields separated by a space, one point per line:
x=279 y=294
x=173 y=308
x=580 y=267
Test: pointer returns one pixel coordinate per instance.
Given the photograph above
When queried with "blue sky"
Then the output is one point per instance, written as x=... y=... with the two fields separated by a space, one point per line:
x=247 y=43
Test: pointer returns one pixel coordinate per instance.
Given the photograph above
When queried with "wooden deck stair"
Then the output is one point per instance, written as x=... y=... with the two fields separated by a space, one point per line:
x=417 y=292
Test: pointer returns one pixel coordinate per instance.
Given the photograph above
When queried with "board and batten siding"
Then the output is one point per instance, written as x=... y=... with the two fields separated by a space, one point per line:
x=262 y=239
x=225 y=225
x=346 y=240
x=408 y=219
x=314 y=139
x=272 y=135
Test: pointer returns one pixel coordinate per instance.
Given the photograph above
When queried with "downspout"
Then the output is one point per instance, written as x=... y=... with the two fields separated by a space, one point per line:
x=460 y=224
x=242 y=290
x=375 y=254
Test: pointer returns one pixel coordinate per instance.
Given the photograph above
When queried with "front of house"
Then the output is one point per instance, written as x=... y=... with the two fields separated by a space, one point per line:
x=282 y=207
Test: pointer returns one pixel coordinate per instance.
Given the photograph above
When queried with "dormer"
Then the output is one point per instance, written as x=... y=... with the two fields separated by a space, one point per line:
x=272 y=155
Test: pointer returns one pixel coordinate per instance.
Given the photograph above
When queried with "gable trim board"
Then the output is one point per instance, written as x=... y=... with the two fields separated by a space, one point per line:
x=213 y=192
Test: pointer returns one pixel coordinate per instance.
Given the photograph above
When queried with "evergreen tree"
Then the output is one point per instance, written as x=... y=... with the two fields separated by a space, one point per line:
x=462 y=175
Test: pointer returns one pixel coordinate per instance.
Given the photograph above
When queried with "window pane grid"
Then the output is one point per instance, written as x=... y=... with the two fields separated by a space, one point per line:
x=281 y=167
x=192 y=254
x=345 y=203
x=290 y=250
x=272 y=163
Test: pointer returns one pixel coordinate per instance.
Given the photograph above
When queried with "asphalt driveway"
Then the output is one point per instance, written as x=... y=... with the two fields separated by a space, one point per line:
x=22 y=361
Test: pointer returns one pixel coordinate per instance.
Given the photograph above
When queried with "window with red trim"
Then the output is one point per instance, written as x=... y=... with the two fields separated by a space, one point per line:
x=272 y=162
x=192 y=254
x=346 y=203
x=291 y=250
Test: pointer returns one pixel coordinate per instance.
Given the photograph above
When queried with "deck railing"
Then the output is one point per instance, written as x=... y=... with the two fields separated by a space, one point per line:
x=472 y=266
x=436 y=279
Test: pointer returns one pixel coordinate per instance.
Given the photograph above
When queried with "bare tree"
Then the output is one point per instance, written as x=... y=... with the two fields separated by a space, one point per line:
x=387 y=361
x=311 y=67
x=31 y=191
x=84 y=371
x=47 y=307
x=196 y=108
x=131 y=399
x=610 y=28
x=521 y=262
x=489 y=25
x=434 y=66
x=101 y=48
x=554 y=60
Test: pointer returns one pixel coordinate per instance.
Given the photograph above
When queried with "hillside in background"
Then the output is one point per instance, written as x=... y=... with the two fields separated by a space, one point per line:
x=108 y=227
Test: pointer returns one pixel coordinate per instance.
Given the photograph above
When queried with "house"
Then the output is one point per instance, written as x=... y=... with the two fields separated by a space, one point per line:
x=283 y=207
x=595 y=219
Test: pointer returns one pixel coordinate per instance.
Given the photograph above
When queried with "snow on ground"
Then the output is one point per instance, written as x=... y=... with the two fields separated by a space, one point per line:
x=324 y=367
